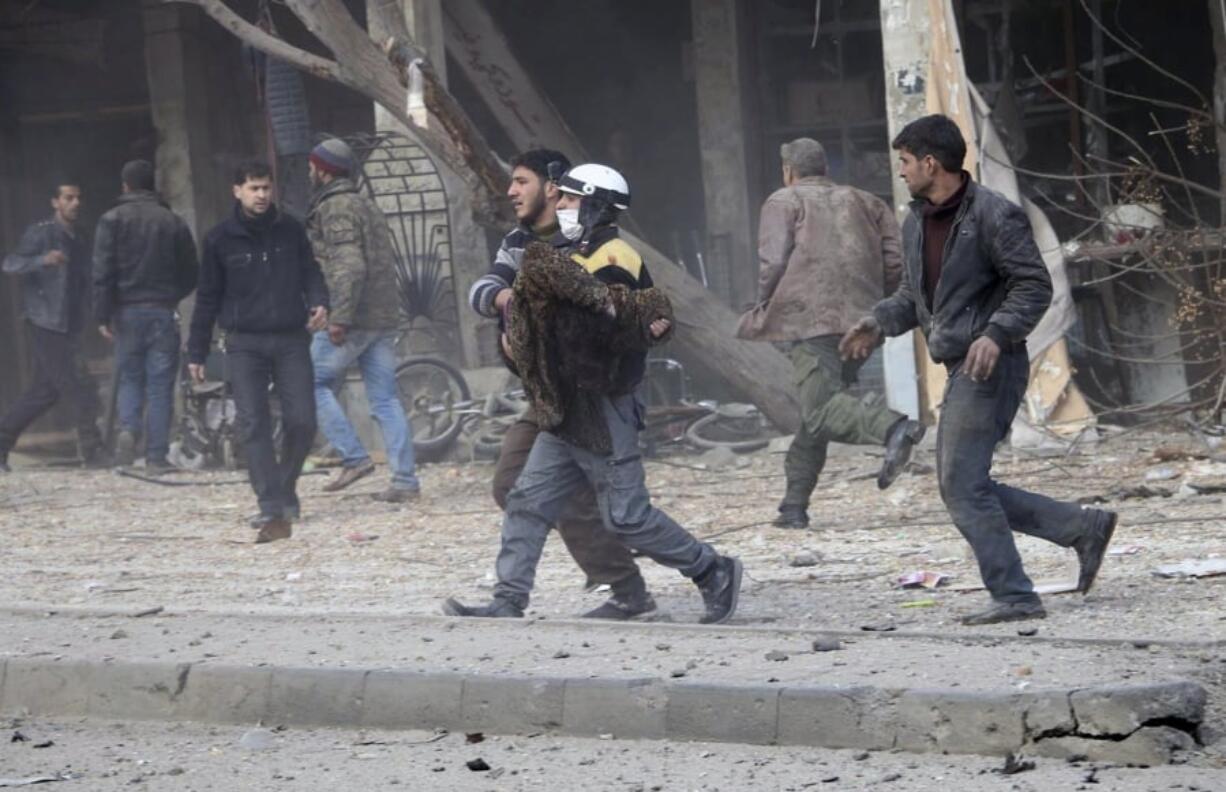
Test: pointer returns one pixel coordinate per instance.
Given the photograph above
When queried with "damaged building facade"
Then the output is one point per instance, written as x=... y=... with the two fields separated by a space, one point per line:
x=691 y=99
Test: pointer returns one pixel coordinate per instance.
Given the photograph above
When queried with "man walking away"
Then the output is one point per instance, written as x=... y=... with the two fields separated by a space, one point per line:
x=828 y=253
x=974 y=282
x=52 y=263
x=144 y=265
x=353 y=246
x=257 y=279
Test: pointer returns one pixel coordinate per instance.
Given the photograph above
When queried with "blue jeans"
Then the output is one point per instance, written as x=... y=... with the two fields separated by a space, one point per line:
x=374 y=352
x=975 y=417
x=147 y=356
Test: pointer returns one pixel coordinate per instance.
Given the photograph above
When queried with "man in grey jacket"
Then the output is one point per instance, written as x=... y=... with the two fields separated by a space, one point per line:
x=973 y=281
x=828 y=253
x=144 y=264
x=52 y=261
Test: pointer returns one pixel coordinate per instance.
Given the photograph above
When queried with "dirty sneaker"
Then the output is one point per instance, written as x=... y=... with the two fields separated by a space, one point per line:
x=1006 y=612
x=497 y=609
x=794 y=517
x=349 y=475
x=721 y=588
x=619 y=608
x=902 y=438
x=1092 y=546
x=272 y=529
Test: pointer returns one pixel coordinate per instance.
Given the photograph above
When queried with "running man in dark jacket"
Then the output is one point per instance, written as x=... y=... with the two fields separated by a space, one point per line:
x=973 y=281
x=260 y=283
x=144 y=265
x=52 y=261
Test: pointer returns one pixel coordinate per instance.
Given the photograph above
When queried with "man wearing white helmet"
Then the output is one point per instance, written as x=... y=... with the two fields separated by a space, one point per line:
x=560 y=462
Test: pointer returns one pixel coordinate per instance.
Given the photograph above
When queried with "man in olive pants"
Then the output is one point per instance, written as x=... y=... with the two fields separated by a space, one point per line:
x=828 y=252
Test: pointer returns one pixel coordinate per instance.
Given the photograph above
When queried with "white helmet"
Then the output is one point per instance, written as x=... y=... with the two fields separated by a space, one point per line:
x=591 y=180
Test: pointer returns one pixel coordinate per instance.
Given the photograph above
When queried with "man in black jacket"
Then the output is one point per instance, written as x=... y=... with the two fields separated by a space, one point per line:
x=144 y=264
x=974 y=282
x=260 y=282
x=52 y=261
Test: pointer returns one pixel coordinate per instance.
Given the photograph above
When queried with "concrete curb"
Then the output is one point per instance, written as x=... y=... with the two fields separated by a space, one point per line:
x=1142 y=724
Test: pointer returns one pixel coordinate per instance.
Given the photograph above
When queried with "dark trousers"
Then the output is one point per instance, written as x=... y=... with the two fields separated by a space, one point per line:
x=59 y=374
x=975 y=416
x=147 y=357
x=282 y=361
x=597 y=551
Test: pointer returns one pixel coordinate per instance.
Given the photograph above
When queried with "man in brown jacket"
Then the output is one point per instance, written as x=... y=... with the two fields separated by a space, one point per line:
x=828 y=253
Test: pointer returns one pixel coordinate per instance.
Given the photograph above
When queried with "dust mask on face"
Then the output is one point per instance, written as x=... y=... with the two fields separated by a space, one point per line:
x=568 y=223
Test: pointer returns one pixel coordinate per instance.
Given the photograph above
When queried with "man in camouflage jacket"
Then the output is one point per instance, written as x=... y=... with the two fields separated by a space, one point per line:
x=353 y=245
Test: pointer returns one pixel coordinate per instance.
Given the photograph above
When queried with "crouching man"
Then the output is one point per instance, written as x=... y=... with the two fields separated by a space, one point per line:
x=578 y=330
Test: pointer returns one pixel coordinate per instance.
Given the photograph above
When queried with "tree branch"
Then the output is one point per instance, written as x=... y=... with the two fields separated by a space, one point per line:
x=263 y=41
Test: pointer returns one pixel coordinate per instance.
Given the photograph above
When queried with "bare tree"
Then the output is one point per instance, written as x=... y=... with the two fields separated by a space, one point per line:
x=382 y=72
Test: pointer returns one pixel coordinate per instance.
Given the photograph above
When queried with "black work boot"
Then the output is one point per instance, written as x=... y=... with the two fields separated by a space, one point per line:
x=720 y=587
x=1006 y=612
x=1092 y=546
x=902 y=438
x=794 y=517
x=629 y=601
x=497 y=609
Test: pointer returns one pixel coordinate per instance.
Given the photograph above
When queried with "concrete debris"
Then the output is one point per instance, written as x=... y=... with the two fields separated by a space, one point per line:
x=805 y=558
x=1192 y=568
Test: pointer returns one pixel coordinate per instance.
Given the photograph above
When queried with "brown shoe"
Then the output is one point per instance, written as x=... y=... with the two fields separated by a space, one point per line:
x=349 y=475
x=272 y=530
x=397 y=495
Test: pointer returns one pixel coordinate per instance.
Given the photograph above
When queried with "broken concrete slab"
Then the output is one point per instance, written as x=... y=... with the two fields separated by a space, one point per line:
x=1120 y=711
x=1148 y=746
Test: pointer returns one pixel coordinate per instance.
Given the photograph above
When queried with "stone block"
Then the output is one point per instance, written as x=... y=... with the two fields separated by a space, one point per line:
x=1148 y=746
x=952 y=721
x=409 y=700
x=316 y=696
x=723 y=713
x=226 y=694
x=625 y=708
x=511 y=705
x=829 y=717
x=40 y=686
x=1047 y=712
x=1119 y=711
x=138 y=691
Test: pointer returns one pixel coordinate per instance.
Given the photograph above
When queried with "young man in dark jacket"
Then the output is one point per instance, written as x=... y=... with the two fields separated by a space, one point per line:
x=974 y=282
x=604 y=560
x=52 y=261
x=259 y=281
x=144 y=265
x=563 y=336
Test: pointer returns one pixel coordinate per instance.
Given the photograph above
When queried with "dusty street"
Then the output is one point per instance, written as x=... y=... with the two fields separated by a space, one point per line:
x=101 y=540
x=107 y=756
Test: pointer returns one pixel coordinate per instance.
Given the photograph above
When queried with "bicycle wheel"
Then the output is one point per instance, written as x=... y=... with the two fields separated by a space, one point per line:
x=740 y=433
x=430 y=389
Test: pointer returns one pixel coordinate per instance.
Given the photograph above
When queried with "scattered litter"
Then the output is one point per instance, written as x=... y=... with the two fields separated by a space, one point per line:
x=1172 y=453
x=1206 y=485
x=148 y=612
x=923 y=603
x=1049 y=587
x=880 y=627
x=1125 y=550
x=775 y=656
x=1193 y=567
x=292 y=576
x=477 y=765
x=804 y=558
x=561 y=654
x=16 y=782
x=677 y=673
x=472 y=738
x=922 y=578
x=1023 y=671
x=1137 y=492
x=1026 y=632
x=257 y=740
x=18 y=737
x=44 y=744
x=1162 y=474
x=827 y=644
x=663 y=647
x=357 y=537
x=1015 y=764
